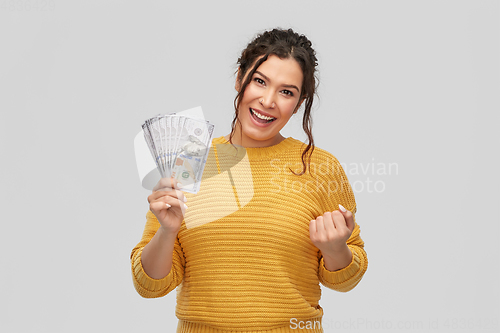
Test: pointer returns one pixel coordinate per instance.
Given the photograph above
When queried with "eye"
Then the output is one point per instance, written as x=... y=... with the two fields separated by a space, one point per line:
x=287 y=92
x=259 y=80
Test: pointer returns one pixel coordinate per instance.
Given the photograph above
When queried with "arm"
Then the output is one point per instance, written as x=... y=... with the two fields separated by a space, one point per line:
x=157 y=255
x=345 y=279
x=342 y=263
x=157 y=261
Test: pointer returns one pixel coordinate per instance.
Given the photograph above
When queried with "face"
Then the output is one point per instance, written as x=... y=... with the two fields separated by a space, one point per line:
x=270 y=99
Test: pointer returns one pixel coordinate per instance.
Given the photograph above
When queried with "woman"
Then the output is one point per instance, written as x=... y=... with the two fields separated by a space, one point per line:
x=249 y=256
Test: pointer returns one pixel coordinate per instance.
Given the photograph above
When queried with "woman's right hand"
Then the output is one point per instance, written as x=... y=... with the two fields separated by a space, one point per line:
x=167 y=203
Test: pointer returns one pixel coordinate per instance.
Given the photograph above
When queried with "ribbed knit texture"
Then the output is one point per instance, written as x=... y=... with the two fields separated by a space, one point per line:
x=243 y=260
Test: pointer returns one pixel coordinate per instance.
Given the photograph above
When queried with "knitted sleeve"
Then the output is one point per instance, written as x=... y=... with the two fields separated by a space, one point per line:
x=347 y=278
x=339 y=191
x=145 y=285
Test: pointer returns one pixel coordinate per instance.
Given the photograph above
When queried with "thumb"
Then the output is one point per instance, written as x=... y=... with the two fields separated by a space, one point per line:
x=349 y=218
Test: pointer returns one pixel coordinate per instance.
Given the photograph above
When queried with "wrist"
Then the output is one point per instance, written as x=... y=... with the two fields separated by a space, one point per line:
x=167 y=233
x=338 y=251
x=338 y=259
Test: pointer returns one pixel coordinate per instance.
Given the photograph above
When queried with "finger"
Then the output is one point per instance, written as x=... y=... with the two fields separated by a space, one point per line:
x=158 y=206
x=348 y=216
x=155 y=196
x=175 y=184
x=166 y=184
x=338 y=220
x=162 y=183
x=158 y=194
x=329 y=224
x=320 y=225
x=312 y=229
x=167 y=202
x=174 y=202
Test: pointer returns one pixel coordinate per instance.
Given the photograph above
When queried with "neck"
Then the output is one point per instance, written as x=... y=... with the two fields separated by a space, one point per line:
x=249 y=143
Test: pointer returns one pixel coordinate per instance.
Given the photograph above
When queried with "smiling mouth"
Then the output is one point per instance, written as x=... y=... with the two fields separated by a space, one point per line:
x=260 y=117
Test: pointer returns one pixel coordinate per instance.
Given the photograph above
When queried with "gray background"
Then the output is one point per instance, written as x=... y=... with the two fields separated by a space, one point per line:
x=412 y=84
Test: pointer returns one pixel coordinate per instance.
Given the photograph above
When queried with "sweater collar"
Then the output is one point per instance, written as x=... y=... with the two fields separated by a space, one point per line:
x=265 y=152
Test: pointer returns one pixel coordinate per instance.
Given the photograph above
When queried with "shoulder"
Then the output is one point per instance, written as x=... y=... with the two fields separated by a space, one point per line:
x=324 y=163
x=318 y=155
x=219 y=140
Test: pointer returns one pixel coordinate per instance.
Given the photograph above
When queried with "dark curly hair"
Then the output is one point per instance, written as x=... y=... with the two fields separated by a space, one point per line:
x=284 y=44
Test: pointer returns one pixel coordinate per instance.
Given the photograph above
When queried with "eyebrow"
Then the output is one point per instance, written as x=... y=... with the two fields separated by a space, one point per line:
x=285 y=85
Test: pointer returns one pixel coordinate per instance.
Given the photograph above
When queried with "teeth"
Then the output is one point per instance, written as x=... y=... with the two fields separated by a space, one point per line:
x=261 y=116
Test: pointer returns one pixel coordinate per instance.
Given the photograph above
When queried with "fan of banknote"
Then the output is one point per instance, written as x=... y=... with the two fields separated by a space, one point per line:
x=179 y=145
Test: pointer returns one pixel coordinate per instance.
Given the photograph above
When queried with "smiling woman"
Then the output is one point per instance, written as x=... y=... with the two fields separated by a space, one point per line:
x=269 y=100
x=259 y=267
x=290 y=52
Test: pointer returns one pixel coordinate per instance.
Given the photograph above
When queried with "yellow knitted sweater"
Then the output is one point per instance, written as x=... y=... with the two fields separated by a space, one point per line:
x=243 y=260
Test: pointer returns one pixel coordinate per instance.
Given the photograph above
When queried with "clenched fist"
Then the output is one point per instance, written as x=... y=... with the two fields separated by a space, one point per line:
x=330 y=232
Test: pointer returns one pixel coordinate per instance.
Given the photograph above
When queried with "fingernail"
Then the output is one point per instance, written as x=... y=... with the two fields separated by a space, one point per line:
x=342 y=208
x=179 y=185
x=168 y=206
x=185 y=206
x=185 y=199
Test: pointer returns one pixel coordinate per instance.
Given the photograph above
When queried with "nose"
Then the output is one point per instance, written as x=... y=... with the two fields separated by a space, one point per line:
x=267 y=100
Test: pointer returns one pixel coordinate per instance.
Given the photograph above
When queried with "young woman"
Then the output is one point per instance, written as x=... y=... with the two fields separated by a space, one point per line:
x=247 y=253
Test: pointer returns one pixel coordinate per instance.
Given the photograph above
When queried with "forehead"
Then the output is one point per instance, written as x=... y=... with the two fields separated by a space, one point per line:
x=282 y=71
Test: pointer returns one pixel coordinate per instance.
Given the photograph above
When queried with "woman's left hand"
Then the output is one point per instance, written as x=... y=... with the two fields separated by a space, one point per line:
x=330 y=232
